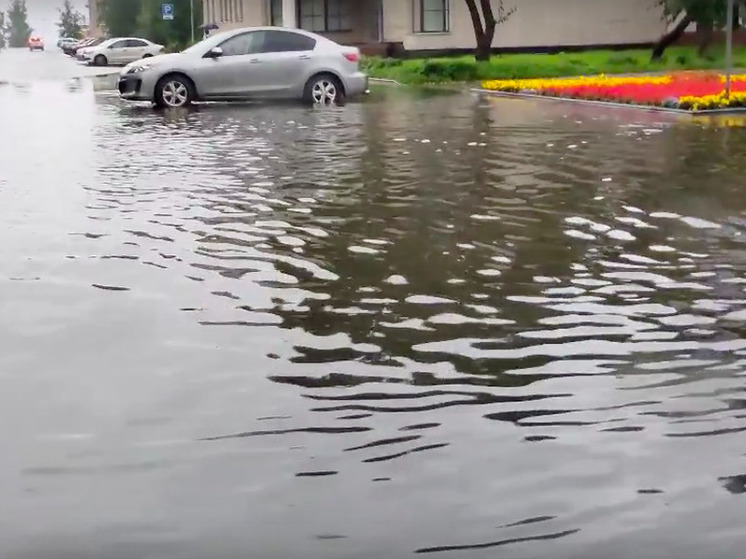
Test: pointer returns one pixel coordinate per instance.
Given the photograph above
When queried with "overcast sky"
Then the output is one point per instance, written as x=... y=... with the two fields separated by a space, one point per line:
x=43 y=15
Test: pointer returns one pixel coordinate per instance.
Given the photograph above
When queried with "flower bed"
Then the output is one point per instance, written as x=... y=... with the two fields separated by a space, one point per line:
x=693 y=91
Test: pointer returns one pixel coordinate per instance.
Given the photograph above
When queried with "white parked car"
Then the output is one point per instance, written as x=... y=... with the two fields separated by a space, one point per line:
x=119 y=51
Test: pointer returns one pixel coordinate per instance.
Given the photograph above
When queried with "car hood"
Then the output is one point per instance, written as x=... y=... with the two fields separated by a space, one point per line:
x=169 y=60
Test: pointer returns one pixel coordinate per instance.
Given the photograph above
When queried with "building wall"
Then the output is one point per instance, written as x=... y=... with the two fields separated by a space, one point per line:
x=364 y=24
x=257 y=13
x=95 y=27
x=240 y=13
x=535 y=23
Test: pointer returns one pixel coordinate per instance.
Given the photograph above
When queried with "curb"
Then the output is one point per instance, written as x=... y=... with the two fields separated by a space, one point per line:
x=650 y=108
x=385 y=81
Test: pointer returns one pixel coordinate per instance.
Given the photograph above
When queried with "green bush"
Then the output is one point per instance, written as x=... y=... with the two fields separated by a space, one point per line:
x=519 y=66
x=449 y=70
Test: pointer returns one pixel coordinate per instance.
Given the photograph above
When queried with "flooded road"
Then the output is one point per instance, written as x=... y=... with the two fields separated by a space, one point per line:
x=440 y=325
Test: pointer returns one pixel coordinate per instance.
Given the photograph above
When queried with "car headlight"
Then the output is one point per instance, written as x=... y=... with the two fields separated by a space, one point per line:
x=139 y=68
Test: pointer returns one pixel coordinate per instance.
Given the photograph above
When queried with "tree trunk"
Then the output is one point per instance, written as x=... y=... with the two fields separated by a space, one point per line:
x=705 y=32
x=484 y=47
x=671 y=37
x=484 y=32
x=485 y=50
x=476 y=21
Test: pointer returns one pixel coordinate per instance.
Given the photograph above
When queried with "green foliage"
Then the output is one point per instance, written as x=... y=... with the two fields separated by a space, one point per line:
x=17 y=28
x=702 y=11
x=176 y=33
x=514 y=66
x=124 y=18
x=119 y=16
x=3 y=41
x=71 y=21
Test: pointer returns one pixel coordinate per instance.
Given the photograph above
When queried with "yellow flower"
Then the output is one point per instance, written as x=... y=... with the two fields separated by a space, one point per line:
x=562 y=83
x=689 y=102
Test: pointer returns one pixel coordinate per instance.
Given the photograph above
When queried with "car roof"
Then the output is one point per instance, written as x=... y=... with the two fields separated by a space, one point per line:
x=276 y=28
x=126 y=39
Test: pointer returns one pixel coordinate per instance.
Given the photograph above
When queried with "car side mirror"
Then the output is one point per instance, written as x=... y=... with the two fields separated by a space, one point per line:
x=215 y=52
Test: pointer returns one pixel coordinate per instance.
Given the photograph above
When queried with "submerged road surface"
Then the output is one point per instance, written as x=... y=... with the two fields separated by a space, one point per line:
x=422 y=324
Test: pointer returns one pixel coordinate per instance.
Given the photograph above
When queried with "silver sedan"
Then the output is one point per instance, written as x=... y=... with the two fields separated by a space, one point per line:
x=249 y=63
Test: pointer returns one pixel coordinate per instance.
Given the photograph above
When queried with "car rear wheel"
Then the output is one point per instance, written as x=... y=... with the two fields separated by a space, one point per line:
x=323 y=89
x=174 y=91
x=100 y=60
x=147 y=55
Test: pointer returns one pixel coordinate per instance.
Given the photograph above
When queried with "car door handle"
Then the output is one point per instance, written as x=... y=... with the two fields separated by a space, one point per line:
x=304 y=57
x=254 y=61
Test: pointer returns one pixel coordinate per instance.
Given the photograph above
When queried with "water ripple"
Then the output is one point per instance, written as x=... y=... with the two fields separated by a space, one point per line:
x=519 y=315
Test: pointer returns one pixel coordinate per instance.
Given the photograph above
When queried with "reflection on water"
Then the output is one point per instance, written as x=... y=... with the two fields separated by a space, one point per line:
x=448 y=325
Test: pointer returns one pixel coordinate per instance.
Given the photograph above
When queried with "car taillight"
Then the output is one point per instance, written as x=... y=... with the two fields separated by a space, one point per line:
x=351 y=56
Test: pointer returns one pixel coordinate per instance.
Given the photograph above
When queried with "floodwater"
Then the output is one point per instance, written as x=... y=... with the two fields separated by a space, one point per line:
x=441 y=325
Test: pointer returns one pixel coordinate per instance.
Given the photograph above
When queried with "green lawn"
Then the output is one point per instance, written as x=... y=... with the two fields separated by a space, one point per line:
x=512 y=66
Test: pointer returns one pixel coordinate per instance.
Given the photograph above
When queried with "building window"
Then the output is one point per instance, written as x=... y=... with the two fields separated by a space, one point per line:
x=229 y=10
x=312 y=16
x=325 y=15
x=275 y=13
x=338 y=15
x=434 y=16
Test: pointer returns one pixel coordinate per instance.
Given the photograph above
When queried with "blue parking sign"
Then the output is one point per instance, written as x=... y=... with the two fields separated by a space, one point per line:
x=167 y=11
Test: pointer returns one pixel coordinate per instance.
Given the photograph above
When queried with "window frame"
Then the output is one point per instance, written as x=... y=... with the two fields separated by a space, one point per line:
x=276 y=17
x=446 y=10
x=325 y=9
x=278 y=32
x=236 y=37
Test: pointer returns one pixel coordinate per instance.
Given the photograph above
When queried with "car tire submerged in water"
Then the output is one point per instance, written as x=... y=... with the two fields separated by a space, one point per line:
x=100 y=60
x=174 y=91
x=324 y=89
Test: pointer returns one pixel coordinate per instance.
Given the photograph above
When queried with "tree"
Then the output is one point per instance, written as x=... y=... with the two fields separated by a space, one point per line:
x=707 y=14
x=18 y=30
x=71 y=21
x=2 y=31
x=124 y=18
x=485 y=24
x=174 y=33
x=119 y=16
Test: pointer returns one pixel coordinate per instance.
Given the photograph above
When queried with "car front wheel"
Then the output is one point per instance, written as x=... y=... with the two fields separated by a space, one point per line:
x=173 y=92
x=323 y=89
x=100 y=60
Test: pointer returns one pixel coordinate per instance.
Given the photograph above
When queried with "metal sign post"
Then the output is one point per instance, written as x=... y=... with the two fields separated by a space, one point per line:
x=728 y=48
x=167 y=12
x=191 y=17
